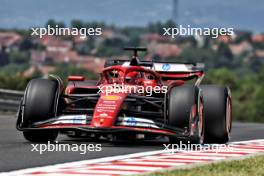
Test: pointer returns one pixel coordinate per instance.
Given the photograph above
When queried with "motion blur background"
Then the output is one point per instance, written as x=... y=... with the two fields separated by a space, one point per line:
x=237 y=61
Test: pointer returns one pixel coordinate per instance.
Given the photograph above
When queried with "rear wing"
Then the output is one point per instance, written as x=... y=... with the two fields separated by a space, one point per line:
x=171 y=70
x=167 y=67
x=180 y=71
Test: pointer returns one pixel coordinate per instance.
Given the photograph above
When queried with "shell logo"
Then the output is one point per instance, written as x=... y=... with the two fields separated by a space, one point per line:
x=111 y=97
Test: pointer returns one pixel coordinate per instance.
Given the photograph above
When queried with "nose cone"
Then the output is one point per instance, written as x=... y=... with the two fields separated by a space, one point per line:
x=107 y=109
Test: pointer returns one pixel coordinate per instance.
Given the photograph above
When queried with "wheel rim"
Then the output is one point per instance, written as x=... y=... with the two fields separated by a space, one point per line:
x=228 y=115
x=201 y=119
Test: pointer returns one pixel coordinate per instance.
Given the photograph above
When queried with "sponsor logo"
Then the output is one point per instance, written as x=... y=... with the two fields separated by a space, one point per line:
x=105 y=110
x=108 y=102
x=111 y=97
x=166 y=67
x=103 y=115
x=105 y=104
x=71 y=119
x=77 y=120
x=106 y=107
x=131 y=121
x=135 y=121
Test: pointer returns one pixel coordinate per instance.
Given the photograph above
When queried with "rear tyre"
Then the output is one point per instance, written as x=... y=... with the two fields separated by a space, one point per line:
x=185 y=111
x=218 y=113
x=40 y=103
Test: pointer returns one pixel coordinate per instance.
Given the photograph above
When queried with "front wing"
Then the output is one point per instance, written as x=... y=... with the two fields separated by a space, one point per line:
x=123 y=124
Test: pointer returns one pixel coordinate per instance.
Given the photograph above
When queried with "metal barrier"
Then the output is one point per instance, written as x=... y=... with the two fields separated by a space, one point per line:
x=10 y=99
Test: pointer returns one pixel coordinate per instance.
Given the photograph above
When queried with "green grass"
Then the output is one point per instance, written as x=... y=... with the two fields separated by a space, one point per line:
x=253 y=166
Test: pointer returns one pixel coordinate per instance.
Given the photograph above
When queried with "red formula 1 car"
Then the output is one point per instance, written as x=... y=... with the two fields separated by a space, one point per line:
x=132 y=99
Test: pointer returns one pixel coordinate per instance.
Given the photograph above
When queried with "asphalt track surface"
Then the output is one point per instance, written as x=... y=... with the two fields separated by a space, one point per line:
x=16 y=153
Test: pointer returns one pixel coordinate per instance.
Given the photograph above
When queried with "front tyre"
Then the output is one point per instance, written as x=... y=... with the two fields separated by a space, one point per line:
x=40 y=103
x=185 y=111
x=40 y=135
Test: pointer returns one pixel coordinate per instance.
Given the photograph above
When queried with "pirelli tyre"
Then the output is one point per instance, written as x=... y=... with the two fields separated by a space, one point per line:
x=40 y=103
x=185 y=111
x=218 y=113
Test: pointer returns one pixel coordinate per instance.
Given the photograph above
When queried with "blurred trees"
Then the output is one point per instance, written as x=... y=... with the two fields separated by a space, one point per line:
x=64 y=70
x=19 y=57
x=14 y=82
x=247 y=92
